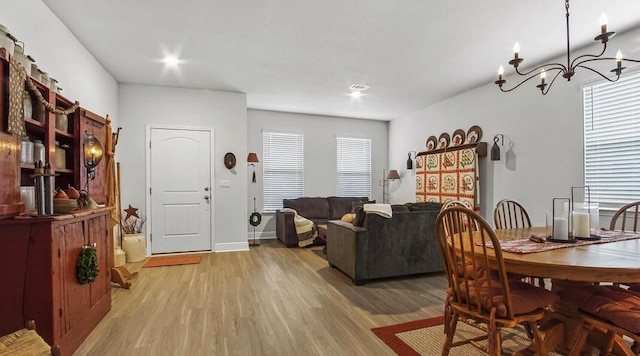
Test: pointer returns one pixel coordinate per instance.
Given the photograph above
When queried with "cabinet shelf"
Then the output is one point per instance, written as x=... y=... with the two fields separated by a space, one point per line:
x=63 y=134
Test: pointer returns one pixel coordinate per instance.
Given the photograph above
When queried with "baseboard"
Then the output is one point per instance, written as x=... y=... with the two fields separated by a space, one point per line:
x=232 y=246
x=264 y=235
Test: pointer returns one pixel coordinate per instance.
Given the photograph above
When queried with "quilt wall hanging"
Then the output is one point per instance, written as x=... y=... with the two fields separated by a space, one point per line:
x=446 y=173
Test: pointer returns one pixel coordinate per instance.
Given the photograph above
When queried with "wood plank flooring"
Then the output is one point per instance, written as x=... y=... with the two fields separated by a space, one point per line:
x=267 y=301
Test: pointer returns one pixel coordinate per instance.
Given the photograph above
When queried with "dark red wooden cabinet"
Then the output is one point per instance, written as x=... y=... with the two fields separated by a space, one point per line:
x=38 y=268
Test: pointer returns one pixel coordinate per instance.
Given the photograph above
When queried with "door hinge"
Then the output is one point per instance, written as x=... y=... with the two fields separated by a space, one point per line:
x=149 y=144
x=60 y=312
x=59 y=253
x=149 y=190
x=150 y=237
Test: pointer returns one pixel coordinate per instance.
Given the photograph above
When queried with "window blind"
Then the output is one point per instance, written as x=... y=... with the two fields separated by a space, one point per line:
x=612 y=141
x=353 y=166
x=283 y=164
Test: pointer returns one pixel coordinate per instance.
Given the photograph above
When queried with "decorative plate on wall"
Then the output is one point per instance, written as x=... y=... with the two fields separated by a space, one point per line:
x=474 y=134
x=229 y=160
x=444 y=140
x=458 y=138
x=432 y=142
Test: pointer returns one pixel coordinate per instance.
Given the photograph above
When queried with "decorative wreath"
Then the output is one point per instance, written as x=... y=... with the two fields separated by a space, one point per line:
x=255 y=219
x=87 y=264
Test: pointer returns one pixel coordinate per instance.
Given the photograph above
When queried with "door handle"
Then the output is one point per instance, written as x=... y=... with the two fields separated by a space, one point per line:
x=206 y=197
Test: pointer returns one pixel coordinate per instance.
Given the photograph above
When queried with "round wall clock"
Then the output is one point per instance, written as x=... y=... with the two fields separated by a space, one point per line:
x=229 y=160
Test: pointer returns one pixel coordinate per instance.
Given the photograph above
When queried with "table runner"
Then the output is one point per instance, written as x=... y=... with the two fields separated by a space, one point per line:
x=524 y=245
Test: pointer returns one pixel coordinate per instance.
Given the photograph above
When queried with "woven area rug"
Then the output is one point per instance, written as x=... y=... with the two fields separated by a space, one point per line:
x=426 y=336
x=172 y=261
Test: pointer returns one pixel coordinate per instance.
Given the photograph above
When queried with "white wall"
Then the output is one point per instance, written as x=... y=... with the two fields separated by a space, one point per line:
x=319 y=153
x=225 y=112
x=58 y=52
x=546 y=132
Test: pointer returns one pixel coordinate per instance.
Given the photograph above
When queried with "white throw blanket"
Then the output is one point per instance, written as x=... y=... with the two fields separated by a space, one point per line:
x=383 y=210
x=305 y=228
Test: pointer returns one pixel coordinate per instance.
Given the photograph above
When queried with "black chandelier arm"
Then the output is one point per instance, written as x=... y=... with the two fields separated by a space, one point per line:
x=590 y=56
x=600 y=74
x=606 y=59
x=547 y=67
x=531 y=77
x=544 y=92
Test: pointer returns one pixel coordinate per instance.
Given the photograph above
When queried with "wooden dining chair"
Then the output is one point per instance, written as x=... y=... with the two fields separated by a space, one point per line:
x=611 y=311
x=509 y=214
x=479 y=290
x=626 y=218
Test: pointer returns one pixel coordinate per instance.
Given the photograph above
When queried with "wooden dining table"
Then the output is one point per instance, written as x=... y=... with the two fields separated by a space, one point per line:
x=615 y=262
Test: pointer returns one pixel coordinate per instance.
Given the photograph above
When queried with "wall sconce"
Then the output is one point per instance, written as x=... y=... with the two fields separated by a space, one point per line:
x=92 y=149
x=410 y=160
x=393 y=175
x=252 y=159
x=495 y=149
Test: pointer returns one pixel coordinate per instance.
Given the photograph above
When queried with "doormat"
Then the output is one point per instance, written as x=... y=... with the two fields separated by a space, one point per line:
x=172 y=261
x=426 y=336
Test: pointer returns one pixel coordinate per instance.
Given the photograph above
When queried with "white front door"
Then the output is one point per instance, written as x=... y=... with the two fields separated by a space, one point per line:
x=180 y=190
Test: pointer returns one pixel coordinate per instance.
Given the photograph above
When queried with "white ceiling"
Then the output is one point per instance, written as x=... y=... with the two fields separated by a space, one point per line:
x=302 y=55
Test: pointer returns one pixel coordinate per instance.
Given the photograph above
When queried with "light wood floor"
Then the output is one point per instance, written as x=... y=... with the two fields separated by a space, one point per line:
x=267 y=301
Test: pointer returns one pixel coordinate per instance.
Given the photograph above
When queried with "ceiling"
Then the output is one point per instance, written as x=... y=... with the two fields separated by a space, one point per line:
x=302 y=55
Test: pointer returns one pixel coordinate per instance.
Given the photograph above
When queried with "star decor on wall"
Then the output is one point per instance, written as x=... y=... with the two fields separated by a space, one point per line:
x=131 y=211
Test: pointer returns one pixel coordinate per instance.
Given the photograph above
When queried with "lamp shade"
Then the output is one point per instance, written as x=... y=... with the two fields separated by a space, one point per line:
x=393 y=174
x=252 y=157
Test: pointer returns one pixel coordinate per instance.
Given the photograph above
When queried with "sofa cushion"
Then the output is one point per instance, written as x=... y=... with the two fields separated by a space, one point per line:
x=360 y=203
x=399 y=208
x=339 y=206
x=359 y=219
x=424 y=206
x=310 y=208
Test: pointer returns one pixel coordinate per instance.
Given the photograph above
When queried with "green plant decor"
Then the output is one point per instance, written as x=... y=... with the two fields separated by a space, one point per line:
x=87 y=264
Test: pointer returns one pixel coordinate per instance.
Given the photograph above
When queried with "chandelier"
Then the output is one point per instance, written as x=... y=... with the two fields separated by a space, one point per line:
x=569 y=69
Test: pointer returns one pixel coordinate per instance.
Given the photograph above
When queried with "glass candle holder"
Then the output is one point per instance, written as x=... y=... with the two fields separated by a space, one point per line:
x=561 y=219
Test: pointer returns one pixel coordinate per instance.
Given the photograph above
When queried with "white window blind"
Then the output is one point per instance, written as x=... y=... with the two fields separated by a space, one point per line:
x=612 y=141
x=354 y=166
x=283 y=164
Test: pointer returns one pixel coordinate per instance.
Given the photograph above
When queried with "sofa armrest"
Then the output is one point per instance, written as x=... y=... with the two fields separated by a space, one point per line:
x=347 y=249
x=286 y=228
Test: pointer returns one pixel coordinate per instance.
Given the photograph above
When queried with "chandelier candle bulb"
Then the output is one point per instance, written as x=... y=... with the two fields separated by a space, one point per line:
x=501 y=72
x=516 y=50
x=603 y=23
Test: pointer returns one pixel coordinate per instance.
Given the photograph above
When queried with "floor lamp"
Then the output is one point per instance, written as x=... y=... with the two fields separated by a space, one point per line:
x=393 y=175
x=255 y=218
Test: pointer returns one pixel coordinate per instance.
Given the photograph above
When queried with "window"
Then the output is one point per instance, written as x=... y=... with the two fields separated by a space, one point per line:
x=354 y=166
x=612 y=141
x=282 y=168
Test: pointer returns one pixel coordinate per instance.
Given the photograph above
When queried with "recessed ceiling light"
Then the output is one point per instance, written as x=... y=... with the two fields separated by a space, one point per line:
x=360 y=87
x=357 y=89
x=171 y=61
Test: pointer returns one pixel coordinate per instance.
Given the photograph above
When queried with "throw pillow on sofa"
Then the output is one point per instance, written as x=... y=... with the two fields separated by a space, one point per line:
x=348 y=217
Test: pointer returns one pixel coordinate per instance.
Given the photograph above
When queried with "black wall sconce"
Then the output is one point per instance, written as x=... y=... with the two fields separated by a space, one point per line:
x=410 y=160
x=92 y=149
x=495 y=149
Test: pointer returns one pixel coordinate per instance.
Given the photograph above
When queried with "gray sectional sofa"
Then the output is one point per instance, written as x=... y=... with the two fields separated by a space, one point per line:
x=403 y=245
x=319 y=210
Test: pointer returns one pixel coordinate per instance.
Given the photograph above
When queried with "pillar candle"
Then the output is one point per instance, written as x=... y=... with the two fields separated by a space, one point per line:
x=580 y=224
x=560 y=229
